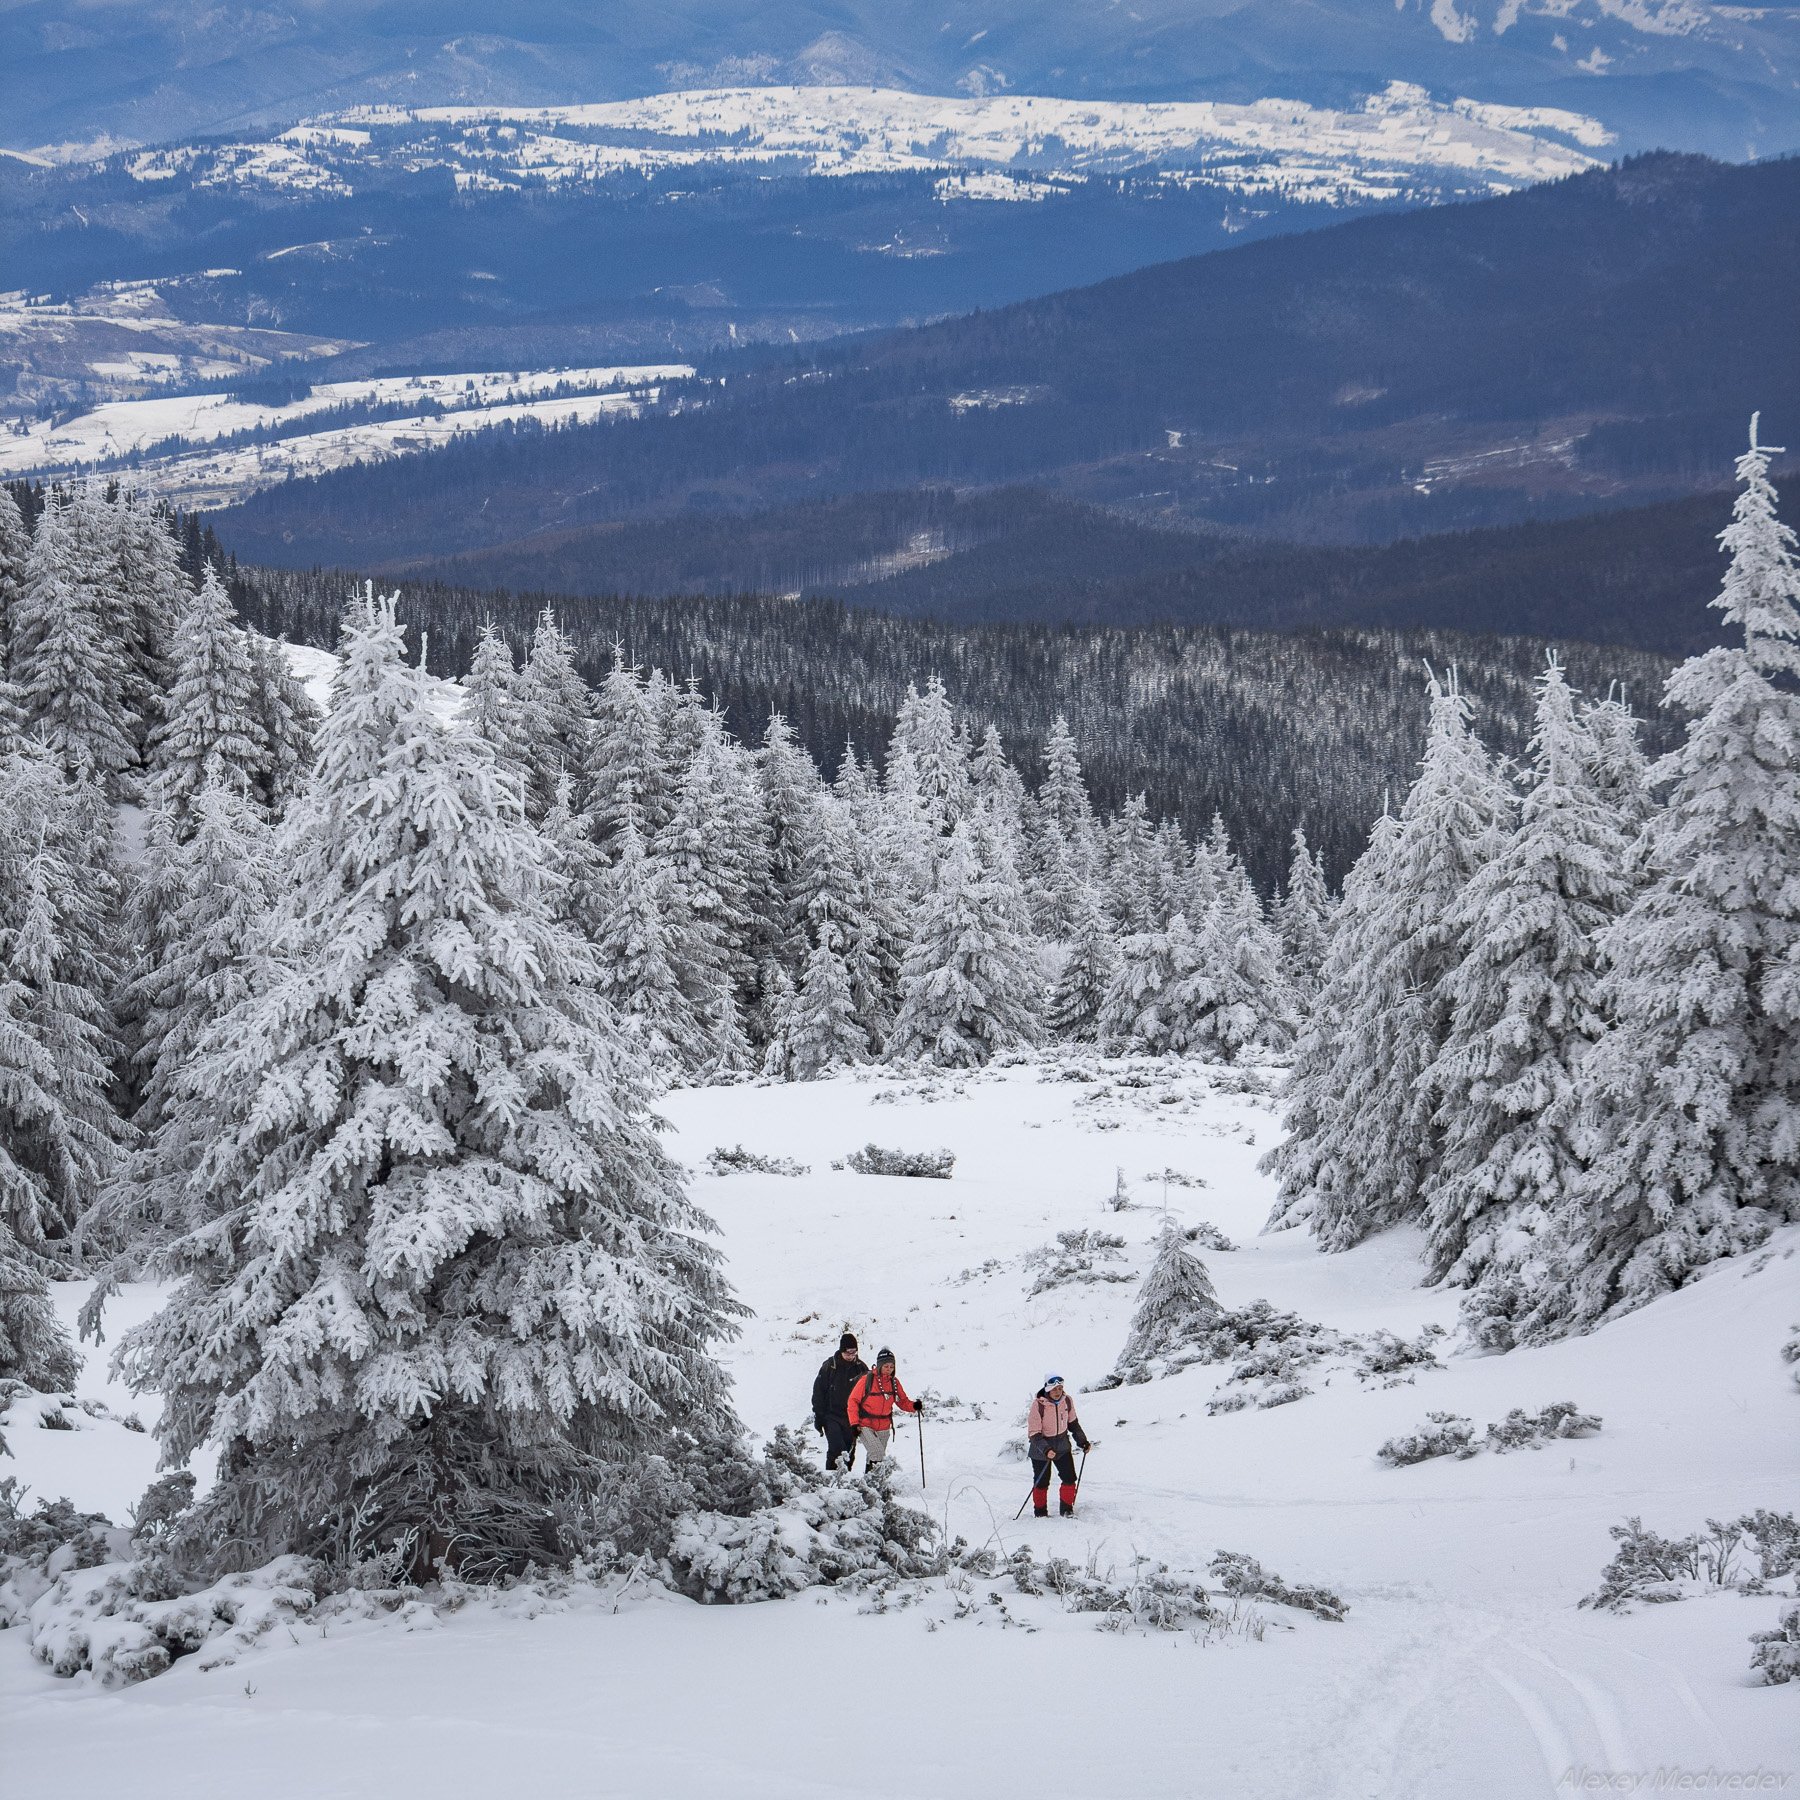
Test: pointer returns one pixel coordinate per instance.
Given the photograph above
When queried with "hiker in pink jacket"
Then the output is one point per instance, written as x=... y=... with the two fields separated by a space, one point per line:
x=1052 y=1424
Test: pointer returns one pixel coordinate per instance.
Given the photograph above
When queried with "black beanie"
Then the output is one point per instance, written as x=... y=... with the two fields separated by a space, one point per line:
x=847 y=1341
x=882 y=1356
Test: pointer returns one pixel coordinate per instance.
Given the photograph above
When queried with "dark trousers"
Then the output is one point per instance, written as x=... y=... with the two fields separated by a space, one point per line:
x=1044 y=1452
x=840 y=1440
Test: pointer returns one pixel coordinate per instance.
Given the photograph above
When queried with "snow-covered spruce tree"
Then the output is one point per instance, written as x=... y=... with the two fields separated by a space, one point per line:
x=555 y=711
x=629 y=776
x=1241 y=996
x=59 y=906
x=1176 y=1304
x=1129 y=849
x=1361 y=1144
x=145 y=594
x=492 y=709
x=289 y=719
x=70 y=675
x=934 y=751
x=35 y=1346
x=790 y=788
x=1523 y=1016
x=969 y=983
x=433 y=1261
x=210 y=729
x=714 y=851
x=1146 y=1008
x=1303 y=920
x=15 y=550
x=636 y=932
x=1079 y=991
x=1692 y=1095
x=815 y=1026
x=202 y=913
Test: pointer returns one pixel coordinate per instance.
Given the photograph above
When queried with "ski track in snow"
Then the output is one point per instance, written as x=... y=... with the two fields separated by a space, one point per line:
x=1464 y=1667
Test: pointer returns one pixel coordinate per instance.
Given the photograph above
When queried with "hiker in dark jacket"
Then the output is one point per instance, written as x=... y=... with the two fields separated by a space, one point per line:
x=831 y=1400
x=1052 y=1423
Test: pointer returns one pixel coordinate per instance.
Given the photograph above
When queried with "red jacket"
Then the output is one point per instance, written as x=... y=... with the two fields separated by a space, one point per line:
x=873 y=1399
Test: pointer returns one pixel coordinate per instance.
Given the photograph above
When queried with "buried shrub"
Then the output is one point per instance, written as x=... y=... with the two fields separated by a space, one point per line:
x=1450 y=1434
x=739 y=1161
x=1076 y=1256
x=1776 y=1657
x=1655 y=1570
x=930 y=1165
x=1243 y=1577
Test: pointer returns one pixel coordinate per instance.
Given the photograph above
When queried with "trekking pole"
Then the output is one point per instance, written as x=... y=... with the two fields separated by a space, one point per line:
x=919 y=1425
x=1080 y=1471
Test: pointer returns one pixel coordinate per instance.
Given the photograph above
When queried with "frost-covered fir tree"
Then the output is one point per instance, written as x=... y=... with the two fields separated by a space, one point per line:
x=969 y=983
x=1241 y=996
x=15 y=550
x=145 y=594
x=1079 y=991
x=201 y=918
x=1176 y=1304
x=1149 y=1007
x=289 y=719
x=637 y=930
x=934 y=752
x=210 y=730
x=815 y=1027
x=434 y=1259
x=555 y=717
x=492 y=710
x=60 y=906
x=629 y=777
x=35 y=1347
x=1524 y=1010
x=70 y=674
x=1692 y=1095
x=1130 y=882
x=790 y=789
x=1362 y=1144
x=1303 y=920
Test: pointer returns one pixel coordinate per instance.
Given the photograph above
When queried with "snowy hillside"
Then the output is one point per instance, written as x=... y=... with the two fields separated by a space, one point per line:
x=1399 y=142
x=209 y=449
x=1464 y=1666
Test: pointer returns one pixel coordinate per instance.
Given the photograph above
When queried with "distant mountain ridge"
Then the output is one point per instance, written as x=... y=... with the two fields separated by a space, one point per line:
x=1681 y=73
x=1597 y=341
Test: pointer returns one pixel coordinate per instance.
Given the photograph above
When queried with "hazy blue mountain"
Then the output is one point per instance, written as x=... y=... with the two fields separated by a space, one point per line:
x=1681 y=73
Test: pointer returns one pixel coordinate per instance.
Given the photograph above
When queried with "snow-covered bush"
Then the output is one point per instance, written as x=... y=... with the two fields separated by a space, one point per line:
x=1208 y=1236
x=1442 y=1434
x=1560 y=1419
x=121 y=1621
x=1776 y=1657
x=1790 y=1353
x=1076 y=1256
x=1393 y=1360
x=814 y=1529
x=928 y=1165
x=739 y=1161
x=1649 y=1568
x=1244 y=1577
x=1449 y=1434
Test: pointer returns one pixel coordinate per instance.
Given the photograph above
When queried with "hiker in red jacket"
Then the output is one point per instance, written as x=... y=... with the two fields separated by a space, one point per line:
x=1052 y=1423
x=871 y=1407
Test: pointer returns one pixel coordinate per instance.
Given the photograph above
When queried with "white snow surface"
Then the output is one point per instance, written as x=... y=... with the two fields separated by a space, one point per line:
x=1393 y=141
x=198 y=476
x=1464 y=1667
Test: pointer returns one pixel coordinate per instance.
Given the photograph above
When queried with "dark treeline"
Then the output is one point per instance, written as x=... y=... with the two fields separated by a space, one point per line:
x=1267 y=730
x=1639 y=576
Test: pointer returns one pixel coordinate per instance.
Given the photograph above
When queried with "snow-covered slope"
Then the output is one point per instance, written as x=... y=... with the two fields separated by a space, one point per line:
x=1397 y=142
x=171 y=440
x=1465 y=1666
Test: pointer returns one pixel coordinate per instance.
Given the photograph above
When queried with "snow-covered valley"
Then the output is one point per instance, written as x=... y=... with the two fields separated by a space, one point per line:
x=1465 y=1665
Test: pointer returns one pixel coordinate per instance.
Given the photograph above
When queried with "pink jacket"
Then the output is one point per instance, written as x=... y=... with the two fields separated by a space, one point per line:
x=1051 y=1418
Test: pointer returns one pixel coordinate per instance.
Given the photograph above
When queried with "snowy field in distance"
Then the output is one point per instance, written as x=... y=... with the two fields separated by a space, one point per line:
x=1465 y=1667
x=198 y=476
x=1396 y=141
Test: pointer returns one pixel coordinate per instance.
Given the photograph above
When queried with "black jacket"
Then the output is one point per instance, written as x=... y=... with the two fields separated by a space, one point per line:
x=832 y=1385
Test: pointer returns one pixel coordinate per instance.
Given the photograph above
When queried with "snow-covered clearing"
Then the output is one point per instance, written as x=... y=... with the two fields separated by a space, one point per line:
x=196 y=475
x=1464 y=1667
